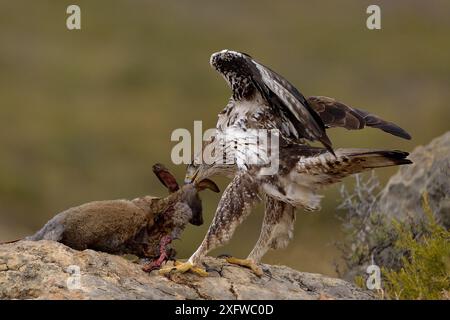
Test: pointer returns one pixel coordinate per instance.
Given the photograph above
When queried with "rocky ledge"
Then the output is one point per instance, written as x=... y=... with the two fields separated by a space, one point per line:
x=50 y=270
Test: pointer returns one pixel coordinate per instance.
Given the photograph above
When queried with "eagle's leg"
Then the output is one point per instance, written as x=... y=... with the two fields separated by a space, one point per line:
x=277 y=228
x=275 y=233
x=234 y=206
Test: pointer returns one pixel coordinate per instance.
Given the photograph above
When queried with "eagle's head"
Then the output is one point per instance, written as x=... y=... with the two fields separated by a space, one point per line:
x=236 y=68
x=199 y=172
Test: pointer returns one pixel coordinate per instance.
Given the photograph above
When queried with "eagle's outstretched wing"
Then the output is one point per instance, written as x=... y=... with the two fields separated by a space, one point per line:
x=282 y=94
x=245 y=75
x=336 y=114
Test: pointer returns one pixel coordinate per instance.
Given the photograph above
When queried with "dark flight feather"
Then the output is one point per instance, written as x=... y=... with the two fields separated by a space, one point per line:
x=281 y=93
x=336 y=114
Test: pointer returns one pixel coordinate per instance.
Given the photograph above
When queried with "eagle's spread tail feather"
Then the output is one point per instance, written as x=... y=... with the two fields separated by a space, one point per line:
x=324 y=169
x=312 y=173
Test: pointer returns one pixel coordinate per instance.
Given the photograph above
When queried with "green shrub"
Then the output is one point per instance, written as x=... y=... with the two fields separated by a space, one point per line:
x=425 y=271
x=369 y=235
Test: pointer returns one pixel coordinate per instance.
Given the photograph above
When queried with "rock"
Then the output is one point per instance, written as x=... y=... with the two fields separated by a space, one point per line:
x=368 y=222
x=430 y=173
x=50 y=270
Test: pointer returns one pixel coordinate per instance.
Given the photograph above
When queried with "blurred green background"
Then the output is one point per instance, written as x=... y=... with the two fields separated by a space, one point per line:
x=85 y=114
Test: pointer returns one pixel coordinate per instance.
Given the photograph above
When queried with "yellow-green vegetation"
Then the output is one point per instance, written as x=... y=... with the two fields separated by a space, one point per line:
x=413 y=251
x=369 y=233
x=360 y=281
x=425 y=271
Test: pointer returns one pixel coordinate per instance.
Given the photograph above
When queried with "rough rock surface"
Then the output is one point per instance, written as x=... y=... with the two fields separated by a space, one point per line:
x=431 y=173
x=45 y=270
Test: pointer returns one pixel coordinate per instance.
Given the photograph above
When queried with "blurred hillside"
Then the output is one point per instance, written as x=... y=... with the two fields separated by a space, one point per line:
x=84 y=114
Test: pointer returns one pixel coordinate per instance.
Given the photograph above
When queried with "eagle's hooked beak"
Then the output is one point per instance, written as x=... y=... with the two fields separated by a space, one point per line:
x=191 y=176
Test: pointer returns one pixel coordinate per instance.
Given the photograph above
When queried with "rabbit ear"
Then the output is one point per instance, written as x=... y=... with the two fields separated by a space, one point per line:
x=208 y=184
x=166 y=178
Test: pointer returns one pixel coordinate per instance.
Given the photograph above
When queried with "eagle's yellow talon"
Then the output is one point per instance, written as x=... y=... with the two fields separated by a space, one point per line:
x=195 y=269
x=246 y=263
x=182 y=267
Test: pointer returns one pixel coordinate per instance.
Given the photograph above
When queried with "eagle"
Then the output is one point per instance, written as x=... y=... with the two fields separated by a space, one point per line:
x=263 y=99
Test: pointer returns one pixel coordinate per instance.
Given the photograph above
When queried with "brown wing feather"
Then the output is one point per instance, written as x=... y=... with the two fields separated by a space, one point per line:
x=336 y=114
x=276 y=89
